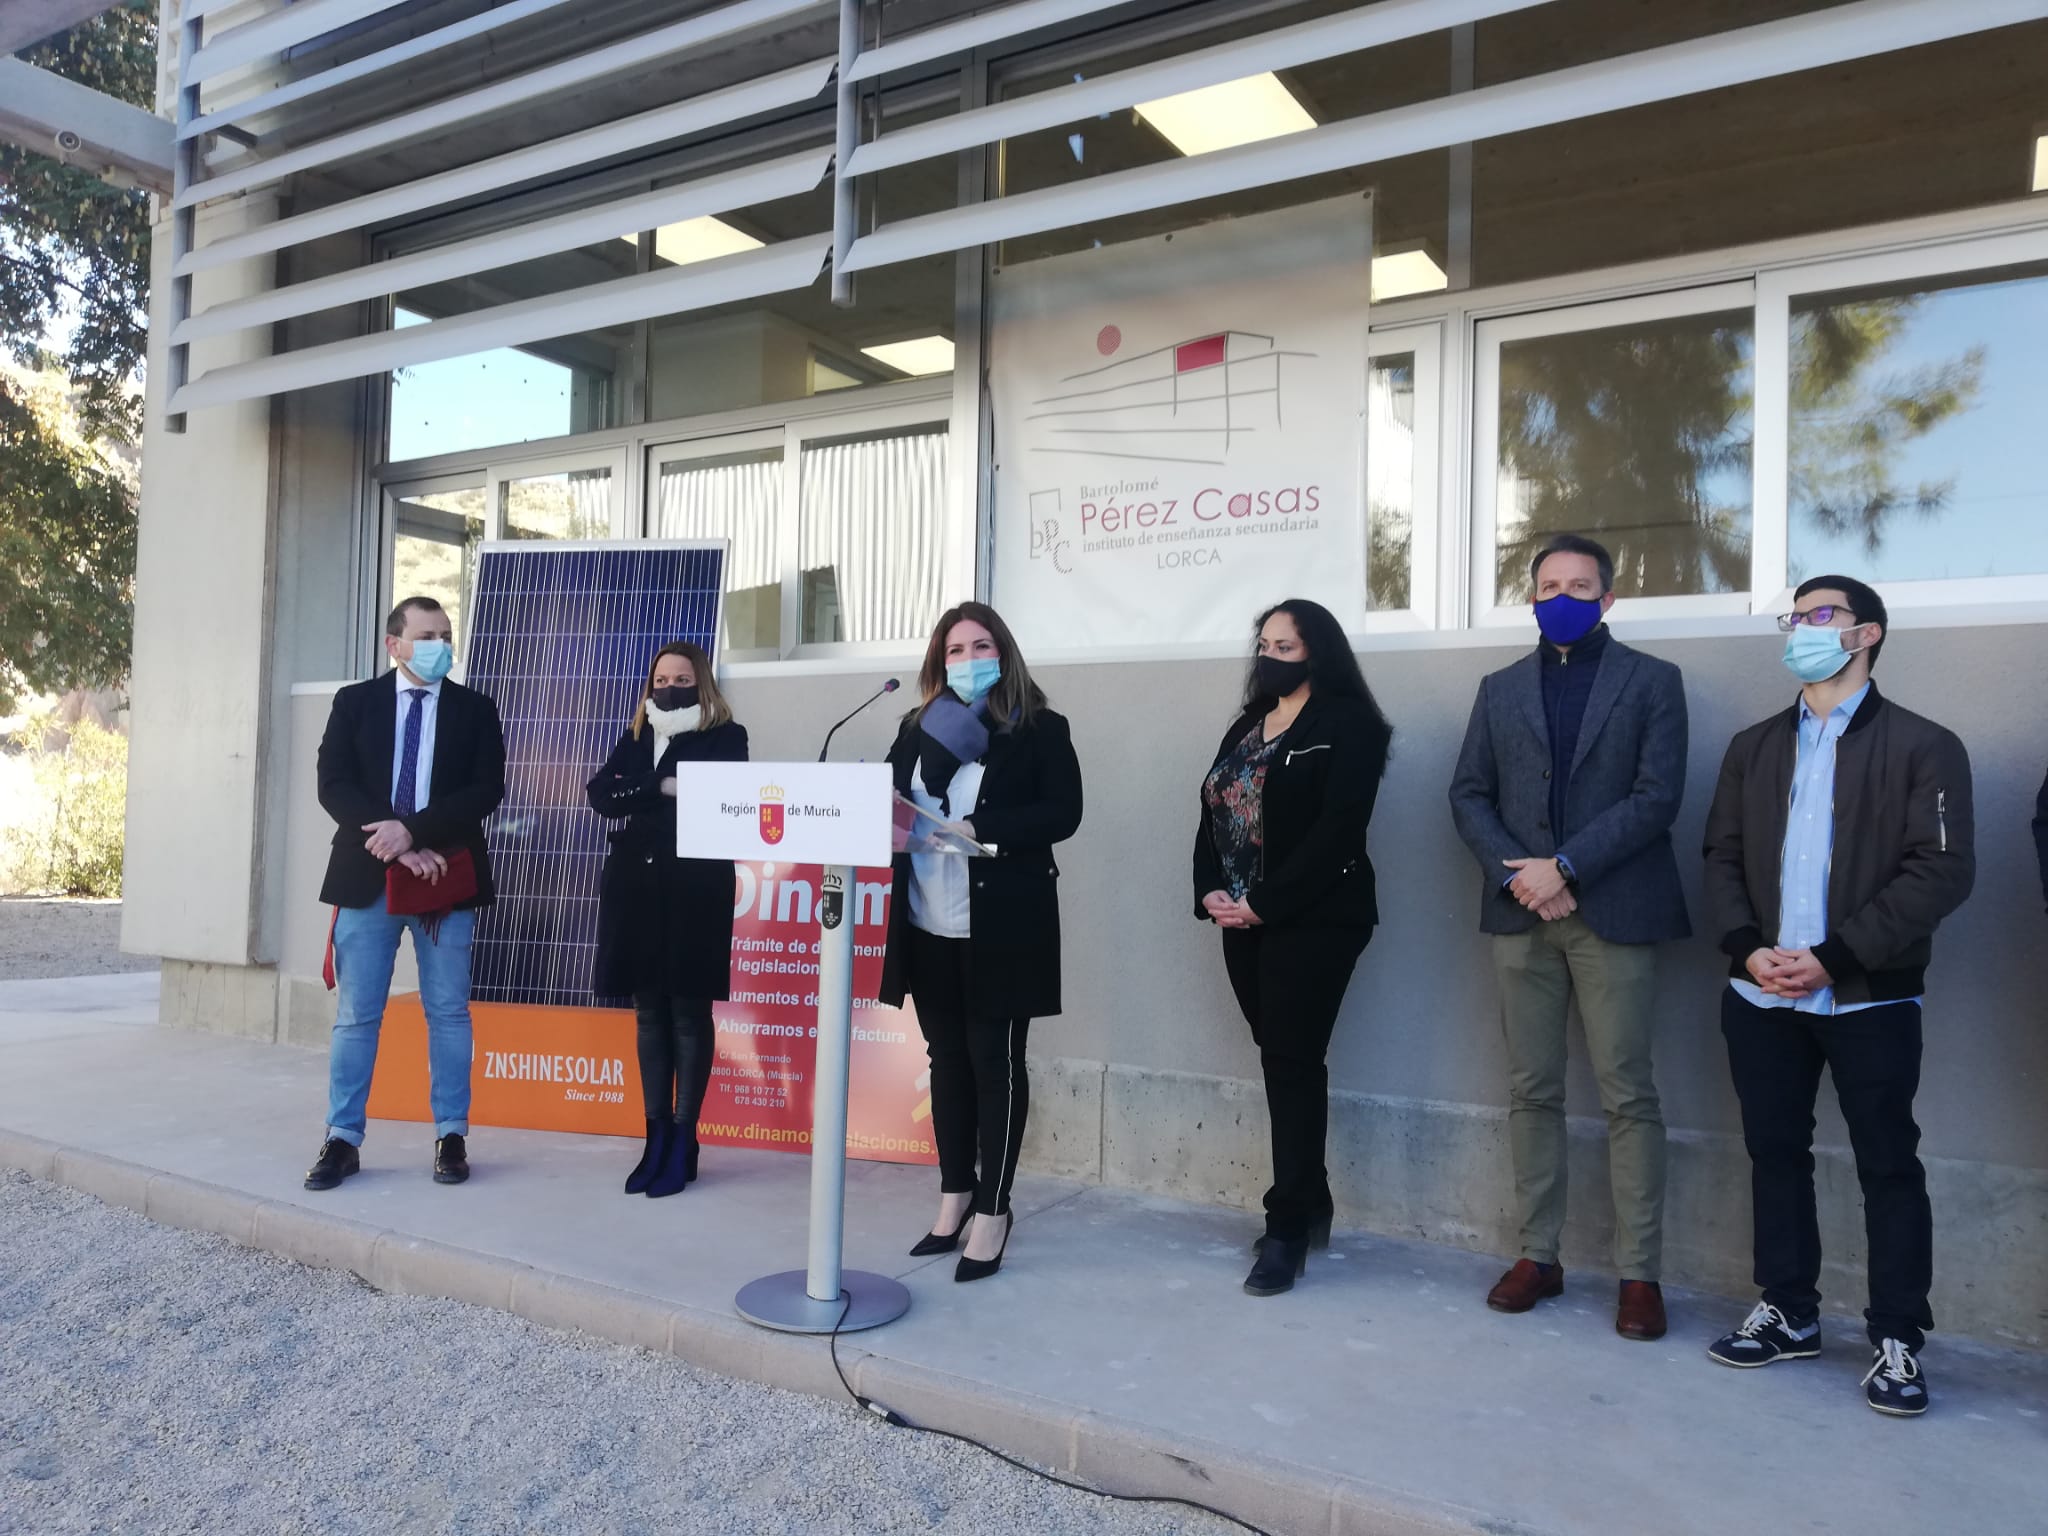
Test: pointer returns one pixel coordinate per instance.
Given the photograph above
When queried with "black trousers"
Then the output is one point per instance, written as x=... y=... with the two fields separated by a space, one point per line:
x=1290 y=983
x=1776 y=1056
x=676 y=1046
x=980 y=1095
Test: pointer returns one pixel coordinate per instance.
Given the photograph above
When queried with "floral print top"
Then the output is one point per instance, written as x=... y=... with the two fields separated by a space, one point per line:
x=1234 y=793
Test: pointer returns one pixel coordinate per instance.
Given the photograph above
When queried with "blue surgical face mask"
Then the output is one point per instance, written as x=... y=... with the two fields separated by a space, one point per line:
x=971 y=680
x=1815 y=655
x=1566 y=620
x=430 y=660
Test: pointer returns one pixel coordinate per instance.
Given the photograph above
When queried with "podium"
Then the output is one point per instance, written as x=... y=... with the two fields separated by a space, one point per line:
x=845 y=816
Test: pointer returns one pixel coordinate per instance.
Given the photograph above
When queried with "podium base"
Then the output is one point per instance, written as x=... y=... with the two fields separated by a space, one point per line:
x=782 y=1303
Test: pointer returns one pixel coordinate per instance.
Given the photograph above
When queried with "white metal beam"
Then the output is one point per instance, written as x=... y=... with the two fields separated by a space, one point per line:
x=1328 y=37
x=975 y=31
x=30 y=21
x=633 y=53
x=733 y=104
x=370 y=63
x=270 y=35
x=779 y=268
x=524 y=242
x=1811 y=41
x=83 y=127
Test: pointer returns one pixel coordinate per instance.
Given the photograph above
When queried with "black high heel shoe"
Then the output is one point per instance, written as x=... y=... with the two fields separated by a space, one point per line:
x=1280 y=1264
x=942 y=1242
x=981 y=1269
x=1318 y=1236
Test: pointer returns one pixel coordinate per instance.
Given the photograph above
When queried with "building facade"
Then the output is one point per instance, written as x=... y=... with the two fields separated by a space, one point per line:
x=907 y=299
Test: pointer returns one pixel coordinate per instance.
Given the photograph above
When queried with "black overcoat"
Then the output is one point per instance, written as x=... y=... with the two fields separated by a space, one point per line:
x=664 y=924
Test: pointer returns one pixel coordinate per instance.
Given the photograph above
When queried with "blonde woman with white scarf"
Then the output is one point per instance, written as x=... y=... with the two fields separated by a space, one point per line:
x=664 y=924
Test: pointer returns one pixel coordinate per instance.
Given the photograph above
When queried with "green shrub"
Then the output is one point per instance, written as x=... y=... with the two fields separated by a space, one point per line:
x=72 y=842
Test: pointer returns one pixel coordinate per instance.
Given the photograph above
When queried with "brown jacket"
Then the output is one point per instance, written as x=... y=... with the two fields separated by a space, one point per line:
x=1903 y=848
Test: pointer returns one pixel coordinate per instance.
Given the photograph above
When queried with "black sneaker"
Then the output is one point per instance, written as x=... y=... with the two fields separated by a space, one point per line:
x=1767 y=1335
x=1895 y=1385
x=337 y=1160
x=451 y=1160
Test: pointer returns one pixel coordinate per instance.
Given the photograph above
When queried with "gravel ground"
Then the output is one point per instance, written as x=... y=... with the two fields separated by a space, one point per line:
x=155 y=1380
x=56 y=936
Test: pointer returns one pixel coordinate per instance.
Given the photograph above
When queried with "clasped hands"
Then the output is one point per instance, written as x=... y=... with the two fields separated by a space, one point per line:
x=1539 y=885
x=391 y=843
x=1228 y=911
x=1790 y=973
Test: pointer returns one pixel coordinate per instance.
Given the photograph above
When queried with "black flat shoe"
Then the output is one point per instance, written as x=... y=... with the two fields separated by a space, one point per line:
x=337 y=1160
x=451 y=1160
x=1280 y=1262
x=981 y=1269
x=941 y=1242
x=1318 y=1236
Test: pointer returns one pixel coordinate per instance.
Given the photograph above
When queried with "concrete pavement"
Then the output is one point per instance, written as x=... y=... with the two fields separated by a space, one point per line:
x=1381 y=1396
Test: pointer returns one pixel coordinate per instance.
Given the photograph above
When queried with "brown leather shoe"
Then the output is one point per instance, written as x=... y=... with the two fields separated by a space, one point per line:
x=1526 y=1284
x=1641 y=1312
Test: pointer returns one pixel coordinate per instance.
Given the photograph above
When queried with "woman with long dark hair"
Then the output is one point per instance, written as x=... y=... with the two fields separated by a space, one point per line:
x=976 y=942
x=664 y=924
x=1280 y=867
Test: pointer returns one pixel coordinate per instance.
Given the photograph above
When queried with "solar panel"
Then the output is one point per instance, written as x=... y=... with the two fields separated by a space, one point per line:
x=561 y=635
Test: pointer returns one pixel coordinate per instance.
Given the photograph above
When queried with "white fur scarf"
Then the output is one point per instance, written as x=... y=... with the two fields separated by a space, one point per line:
x=667 y=723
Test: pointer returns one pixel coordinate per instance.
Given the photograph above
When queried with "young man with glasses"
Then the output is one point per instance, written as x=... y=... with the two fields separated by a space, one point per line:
x=1839 y=838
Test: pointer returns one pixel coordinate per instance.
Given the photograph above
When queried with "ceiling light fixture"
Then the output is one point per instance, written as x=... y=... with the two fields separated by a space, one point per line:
x=1400 y=273
x=1227 y=115
x=919 y=356
x=698 y=239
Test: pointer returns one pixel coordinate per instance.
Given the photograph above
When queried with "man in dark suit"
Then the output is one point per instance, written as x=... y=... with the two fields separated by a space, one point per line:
x=1565 y=792
x=410 y=767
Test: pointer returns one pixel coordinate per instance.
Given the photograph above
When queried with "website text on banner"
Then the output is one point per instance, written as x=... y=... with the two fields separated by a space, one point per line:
x=574 y=1069
x=1180 y=421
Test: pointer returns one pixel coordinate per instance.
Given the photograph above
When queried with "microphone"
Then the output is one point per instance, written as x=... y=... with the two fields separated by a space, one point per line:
x=889 y=687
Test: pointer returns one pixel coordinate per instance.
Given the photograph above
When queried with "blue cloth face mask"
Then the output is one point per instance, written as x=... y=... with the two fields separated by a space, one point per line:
x=430 y=660
x=1815 y=655
x=971 y=680
x=1566 y=620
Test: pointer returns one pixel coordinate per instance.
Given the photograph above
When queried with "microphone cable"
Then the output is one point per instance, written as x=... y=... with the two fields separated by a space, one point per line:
x=890 y=1416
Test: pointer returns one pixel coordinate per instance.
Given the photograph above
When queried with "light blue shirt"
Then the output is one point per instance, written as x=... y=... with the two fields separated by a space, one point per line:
x=423 y=771
x=1809 y=852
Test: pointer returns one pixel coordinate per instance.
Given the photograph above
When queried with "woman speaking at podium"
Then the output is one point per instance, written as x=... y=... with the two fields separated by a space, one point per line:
x=664 y=924
x=1280 y=867
x=975 y=943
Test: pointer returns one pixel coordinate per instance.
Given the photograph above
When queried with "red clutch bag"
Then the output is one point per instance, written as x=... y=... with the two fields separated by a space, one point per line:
x=407 y=895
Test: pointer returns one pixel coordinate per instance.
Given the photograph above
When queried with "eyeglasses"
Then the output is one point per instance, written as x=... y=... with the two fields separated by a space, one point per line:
x=1819 y=617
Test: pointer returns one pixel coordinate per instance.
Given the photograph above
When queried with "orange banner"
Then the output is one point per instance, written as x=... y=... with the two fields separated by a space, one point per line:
x=575 y=1069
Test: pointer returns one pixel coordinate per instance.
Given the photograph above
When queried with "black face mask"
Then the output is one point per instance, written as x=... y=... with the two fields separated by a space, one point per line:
x=1278 y=678
x=672 y=699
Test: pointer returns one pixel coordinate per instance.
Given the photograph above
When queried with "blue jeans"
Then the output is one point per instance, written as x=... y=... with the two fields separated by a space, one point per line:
x=365 y=949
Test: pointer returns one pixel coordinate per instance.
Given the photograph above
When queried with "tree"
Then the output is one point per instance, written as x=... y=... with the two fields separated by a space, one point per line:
x=73 y=247
x=72 y=250
x=67 y=546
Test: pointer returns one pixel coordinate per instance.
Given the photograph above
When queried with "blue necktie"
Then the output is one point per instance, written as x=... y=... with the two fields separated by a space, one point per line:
x=409 y=762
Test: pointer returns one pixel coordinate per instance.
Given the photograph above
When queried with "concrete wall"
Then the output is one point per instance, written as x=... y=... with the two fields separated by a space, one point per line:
x=1149 y=1079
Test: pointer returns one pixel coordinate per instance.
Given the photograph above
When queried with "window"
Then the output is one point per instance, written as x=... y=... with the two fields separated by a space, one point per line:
x=733 y=489
x=1401 y=452
x=565 y=504
x=873 y=531
x=435 y=530
x=1630 y=422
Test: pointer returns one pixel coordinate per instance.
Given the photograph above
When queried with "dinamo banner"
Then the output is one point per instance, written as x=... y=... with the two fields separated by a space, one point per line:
x=1180 y=430
x=575 y=1069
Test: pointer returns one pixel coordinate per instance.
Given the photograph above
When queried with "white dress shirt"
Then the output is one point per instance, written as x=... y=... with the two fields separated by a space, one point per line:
x=938 y=881
x=423 y=772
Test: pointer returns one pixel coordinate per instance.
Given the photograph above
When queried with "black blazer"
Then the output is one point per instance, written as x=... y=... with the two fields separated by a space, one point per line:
x=664 y=924
x=355 y=783
x=1030 y=799
x=1321 y=785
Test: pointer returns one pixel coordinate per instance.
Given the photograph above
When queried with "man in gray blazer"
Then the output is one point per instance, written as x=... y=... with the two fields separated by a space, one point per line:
x=1565 y=792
